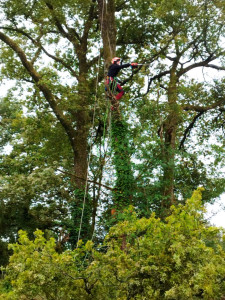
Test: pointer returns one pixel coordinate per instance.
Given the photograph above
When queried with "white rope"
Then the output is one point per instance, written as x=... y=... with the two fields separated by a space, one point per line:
x=93 y=121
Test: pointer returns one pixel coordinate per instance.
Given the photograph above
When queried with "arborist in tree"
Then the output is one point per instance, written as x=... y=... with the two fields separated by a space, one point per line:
x=112 y=80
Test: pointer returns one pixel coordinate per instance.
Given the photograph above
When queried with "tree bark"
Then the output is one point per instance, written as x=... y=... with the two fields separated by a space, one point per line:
x=108 y=30
x=170 y=129
x=120 y=143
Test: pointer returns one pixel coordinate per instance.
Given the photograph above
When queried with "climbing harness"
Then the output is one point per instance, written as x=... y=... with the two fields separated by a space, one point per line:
x=111 y=85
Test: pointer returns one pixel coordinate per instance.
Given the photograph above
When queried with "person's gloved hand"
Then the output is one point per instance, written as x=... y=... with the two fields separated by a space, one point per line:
x=134 y=65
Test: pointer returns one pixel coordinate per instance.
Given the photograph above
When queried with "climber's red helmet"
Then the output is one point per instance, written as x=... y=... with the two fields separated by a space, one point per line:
x=115 y=60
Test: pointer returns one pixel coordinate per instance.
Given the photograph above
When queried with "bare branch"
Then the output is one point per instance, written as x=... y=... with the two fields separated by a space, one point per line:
x=156 y=77
x=92 y=181
x=20 y=31
x=61 y=61
x=37 y=53
x=220 y=68
x=37 y=43
x=88 y=23
x=203 y=63
x=199 y=108
x=70 y=34
x=121 y=6
x=188 y=129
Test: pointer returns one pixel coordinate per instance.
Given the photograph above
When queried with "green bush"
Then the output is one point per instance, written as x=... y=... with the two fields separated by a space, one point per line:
x=179 y=258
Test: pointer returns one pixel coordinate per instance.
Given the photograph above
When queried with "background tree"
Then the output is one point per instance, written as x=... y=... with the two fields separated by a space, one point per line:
x=60 y=86
x=175 y=39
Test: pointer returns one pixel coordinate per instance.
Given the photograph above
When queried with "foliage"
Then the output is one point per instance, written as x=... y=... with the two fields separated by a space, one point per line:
x=143 y=258
x=44 y=272
x=124 y=185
